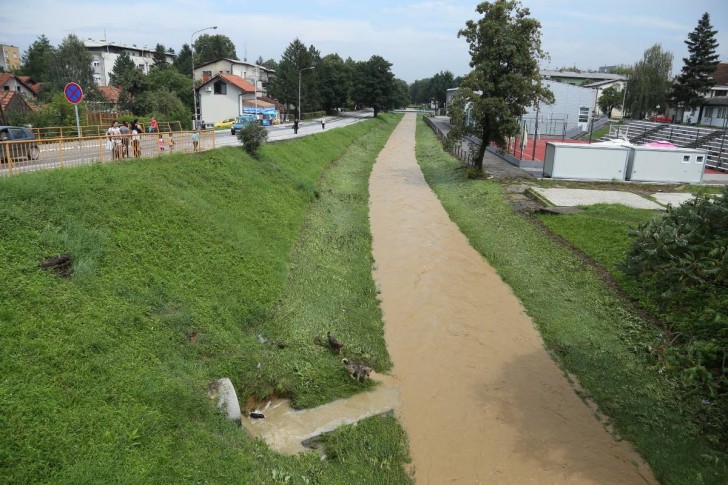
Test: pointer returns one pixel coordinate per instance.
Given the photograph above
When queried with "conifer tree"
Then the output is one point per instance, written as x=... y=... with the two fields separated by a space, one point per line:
x=695 y=79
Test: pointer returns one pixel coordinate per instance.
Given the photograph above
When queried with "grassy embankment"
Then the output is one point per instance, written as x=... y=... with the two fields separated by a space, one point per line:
x=584 y=324
x=179 y=262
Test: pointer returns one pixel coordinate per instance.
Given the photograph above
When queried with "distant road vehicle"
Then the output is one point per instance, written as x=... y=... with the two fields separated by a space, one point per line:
x=225 y=123
x=9 y=135
x=241 y=122
x=661 y=119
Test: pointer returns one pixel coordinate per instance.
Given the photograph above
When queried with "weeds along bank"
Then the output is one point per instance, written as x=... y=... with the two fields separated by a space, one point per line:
x=178 y=264
x=584 y=324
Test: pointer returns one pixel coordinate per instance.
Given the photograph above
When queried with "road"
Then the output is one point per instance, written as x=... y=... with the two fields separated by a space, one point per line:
x=71 y=152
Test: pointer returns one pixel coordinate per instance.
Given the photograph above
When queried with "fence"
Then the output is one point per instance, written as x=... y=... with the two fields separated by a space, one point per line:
x=93 y=130
x=28 y=156
x=462 y=152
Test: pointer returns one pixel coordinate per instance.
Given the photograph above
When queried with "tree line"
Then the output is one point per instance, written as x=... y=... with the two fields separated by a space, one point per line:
x=329 y=82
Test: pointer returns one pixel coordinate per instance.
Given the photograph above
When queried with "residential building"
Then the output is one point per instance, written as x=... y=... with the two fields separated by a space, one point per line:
x=223 y=96
x=12 y=103
x=245 y=70
x=104 y=55
x=22 y=85
x=9 y=57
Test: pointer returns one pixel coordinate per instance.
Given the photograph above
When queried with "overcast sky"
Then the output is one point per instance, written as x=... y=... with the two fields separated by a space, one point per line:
x=418 y=37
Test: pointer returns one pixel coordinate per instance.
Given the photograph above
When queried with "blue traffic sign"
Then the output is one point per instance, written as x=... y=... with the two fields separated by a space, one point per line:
x=73 y=93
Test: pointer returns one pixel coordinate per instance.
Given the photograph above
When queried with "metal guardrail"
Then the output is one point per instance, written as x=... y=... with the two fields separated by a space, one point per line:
x=28 y=156
x=94 y=130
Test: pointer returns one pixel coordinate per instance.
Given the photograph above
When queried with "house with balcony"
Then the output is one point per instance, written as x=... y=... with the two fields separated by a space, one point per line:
x=104 y=55
x=247 y=71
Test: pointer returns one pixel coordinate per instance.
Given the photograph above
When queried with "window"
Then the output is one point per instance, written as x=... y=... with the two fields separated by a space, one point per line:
x=220 y=87
x=207 y=73
x=686 y=158
x=721 y=113
x=699 y=159
x=720 y=92
x=6 y=88
x=583 y=114
x=708 y=112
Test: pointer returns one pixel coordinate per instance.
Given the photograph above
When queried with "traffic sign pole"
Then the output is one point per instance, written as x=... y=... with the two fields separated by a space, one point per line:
x=74 y=95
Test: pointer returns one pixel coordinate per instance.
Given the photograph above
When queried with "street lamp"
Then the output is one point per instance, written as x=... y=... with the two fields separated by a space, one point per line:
x=299 y=90
x=192 y=57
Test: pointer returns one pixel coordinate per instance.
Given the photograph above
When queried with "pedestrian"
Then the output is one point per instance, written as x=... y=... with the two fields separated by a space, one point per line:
x=323 y=123
x=170 y=142
x=136 y=139
x=161 y=143
x=113 y=135
x=125 y=132
x=295 y=126
x=154 y=125
x=195 y=141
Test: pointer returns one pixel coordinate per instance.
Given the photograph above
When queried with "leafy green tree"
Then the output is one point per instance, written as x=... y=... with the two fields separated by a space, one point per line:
x=39 y=59
x=333 y=79
x=649 y=84
x=160 y=57
x=132 y=82
x=210 y=48
x=400 y=95
x=164 y=105
x=505 y=49
x=373 y=84
x=695 y=79
x=123 y=68
x=440 y=83
x=72 y=64
x=295 y=58
x=172 y=81
x=418 y=91
x=610 y=98
x=183 y=61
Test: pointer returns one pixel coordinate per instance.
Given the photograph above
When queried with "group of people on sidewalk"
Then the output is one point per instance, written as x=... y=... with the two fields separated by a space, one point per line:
x=124 y=139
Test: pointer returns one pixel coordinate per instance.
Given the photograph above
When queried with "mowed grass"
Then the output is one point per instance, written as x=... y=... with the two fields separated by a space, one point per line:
x=584 y=324
x=179 y=263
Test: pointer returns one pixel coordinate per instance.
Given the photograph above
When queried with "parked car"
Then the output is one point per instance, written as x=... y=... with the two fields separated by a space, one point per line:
x=241 y=122
x=661 y=119
x=10 y=136
x=225 y=123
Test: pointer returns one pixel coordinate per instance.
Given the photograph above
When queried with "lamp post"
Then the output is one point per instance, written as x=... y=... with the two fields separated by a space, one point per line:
x=299 y=90
x=192 y=58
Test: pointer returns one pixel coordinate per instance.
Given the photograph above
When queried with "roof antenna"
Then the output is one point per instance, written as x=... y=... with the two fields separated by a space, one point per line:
x=245 y=52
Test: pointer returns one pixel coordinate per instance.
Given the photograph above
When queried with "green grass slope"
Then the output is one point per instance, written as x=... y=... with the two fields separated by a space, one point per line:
x=179 y=262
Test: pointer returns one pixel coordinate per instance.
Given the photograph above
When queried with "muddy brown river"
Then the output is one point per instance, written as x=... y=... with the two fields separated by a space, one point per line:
x=481 y=400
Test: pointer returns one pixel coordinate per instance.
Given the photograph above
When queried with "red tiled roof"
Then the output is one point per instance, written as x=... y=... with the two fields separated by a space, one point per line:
x=111 y=93
x=5 y=77
x=28 y=81
x=6 y=97
x=720 y=75
x=236 y=81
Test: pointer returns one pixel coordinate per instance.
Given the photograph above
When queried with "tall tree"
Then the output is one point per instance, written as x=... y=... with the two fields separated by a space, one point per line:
x=610 y=98
x=695 y=79
x=505 y=49
x=333 y=79
x=649 y=84
x=38 y=60
x=400 y=94
x=132 y=82
x=123 y=68
x=183 y=61
x=294 y=60
x=160 y=57
x=72 y=64
x=441 y=82
x=373 y=84
x=210 y=48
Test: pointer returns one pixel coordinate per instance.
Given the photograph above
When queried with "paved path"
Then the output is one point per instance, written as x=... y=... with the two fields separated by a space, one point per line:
x=482 y=402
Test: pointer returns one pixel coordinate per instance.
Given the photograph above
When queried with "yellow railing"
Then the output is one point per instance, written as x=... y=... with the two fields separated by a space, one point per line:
x=94 y=130
x=28 y=156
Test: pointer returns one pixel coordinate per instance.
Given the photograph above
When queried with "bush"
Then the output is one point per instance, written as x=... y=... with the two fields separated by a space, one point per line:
x=252 y=136
x=680 y=261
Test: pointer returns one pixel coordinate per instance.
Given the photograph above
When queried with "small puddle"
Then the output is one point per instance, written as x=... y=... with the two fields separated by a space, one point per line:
x=287 y=430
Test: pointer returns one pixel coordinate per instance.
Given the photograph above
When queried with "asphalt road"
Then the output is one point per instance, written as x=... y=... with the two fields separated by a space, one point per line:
x=89 y=150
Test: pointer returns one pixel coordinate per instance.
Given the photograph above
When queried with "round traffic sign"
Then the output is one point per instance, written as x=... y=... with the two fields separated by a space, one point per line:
x=73 y=93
